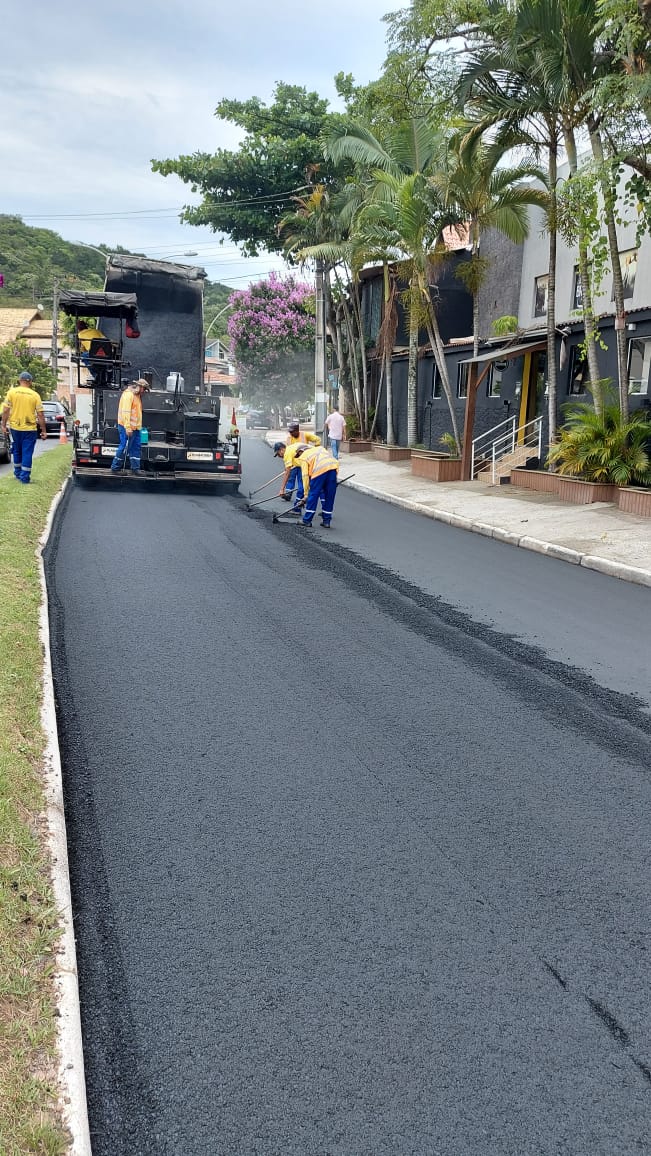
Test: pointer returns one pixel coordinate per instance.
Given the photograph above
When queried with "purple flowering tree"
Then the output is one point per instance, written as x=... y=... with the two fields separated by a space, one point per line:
x=271 y=329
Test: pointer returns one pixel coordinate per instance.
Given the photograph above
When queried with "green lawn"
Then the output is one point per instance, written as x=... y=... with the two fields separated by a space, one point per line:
x=30 y=1120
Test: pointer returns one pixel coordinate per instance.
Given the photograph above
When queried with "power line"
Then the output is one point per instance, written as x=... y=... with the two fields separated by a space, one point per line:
x=123 y=215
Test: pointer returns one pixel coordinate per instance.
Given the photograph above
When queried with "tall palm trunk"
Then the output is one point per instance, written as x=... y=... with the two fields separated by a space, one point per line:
x=357 y=309
x=388 y=340
x=609 y=195
x=474 y=232
x=552 y=378
x=412 y=372
x=589 y=323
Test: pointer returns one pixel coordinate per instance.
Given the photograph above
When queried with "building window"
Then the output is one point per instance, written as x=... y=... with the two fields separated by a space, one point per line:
x=628 y=263
x=373 y=308
x=494 y=381
x=639 y=365
x=540 y=296
x=578 y=375
x=577 y=295
x=462 y=379
x=436 y=381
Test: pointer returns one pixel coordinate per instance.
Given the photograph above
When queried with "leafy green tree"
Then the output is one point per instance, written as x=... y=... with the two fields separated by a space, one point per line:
x=246 y=191
x=16 y=358
x=31 y=260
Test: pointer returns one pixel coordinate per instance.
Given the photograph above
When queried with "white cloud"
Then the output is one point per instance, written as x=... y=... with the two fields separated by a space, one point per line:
x=88 y=102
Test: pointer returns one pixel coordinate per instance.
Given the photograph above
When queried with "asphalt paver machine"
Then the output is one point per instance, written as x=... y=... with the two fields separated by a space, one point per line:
x=149 y=323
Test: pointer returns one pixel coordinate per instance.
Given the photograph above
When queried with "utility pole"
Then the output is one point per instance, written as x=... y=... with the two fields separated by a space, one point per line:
x=320 y=355
x=55 y=334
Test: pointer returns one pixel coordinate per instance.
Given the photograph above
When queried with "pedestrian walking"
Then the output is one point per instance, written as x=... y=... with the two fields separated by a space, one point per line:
x=335 y=424
x=129 y=426
x=22 y=411
x=319 y=475
x=297 y=437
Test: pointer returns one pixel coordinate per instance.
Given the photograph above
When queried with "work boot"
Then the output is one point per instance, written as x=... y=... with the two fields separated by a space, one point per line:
x=326 y=525
x=137 y=473
x=305 y=525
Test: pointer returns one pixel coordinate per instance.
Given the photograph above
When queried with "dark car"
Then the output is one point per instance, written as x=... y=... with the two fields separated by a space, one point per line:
x=56 y=415
x=256 y=419
x=5 y=450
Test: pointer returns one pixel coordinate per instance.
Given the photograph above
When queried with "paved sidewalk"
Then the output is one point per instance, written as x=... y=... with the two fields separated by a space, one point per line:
x=599 y=536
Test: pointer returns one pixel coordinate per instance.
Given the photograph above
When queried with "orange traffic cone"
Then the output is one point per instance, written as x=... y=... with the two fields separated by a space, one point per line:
x=63 y=437
x=233 y=418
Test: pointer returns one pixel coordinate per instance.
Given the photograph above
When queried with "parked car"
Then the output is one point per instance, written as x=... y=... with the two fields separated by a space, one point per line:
x=255 y=419
x=5 y=446
x=55 y=414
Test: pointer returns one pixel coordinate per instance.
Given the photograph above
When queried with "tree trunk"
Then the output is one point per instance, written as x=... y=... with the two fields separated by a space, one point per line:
x=609 y=195
x=552 y=377
x=475 y=294
x=412 y=425
x=388 y=335
x=589 y=323
x=357 y=308
x=388 y=374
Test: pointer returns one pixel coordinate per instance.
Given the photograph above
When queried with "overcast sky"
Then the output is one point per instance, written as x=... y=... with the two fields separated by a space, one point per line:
x=90 y=94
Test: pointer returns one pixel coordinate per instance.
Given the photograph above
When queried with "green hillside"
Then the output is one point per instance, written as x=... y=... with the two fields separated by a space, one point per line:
x=32 y=259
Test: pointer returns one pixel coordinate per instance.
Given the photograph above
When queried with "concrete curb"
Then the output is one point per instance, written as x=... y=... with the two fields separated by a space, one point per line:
x=71 y=1056
x=525 y=542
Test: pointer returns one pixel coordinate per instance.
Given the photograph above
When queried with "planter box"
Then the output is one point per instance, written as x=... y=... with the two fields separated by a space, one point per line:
x=435 y=467
x=634 y=500
x=357 y=446
x=391 y=453
x=568 y=489
x=539 y=480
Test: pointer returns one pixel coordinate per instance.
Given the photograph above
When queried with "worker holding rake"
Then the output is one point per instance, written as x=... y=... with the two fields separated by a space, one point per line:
x=319 y=471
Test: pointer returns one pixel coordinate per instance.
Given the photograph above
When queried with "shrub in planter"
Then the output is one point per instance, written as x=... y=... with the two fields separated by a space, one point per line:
x=600 y=447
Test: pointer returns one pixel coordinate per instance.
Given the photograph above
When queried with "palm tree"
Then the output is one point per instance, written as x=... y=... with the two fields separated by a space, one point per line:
x=486 y=196
x=402 y=218
x=603 y=446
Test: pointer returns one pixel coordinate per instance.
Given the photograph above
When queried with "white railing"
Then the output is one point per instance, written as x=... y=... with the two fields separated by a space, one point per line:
x=528 y=435
x=481 y=446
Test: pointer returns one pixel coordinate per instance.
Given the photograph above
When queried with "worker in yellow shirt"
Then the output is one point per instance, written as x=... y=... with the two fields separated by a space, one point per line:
x=288 y=454
x=22 y=410
x=129 y=426
x=86 y=332
x=319 y=471
x=297 y=437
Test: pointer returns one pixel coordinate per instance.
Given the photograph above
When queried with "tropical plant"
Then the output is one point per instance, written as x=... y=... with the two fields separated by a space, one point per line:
x=401 y=221
x=601 y=446
x=16 y=358
x=486 y=194
x=504 y=326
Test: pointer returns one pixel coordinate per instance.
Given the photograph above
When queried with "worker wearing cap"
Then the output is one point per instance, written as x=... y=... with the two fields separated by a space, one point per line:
x=288 y=454
x=130 y=425
x=22 y=409
x=297 y=437
x=319 y=475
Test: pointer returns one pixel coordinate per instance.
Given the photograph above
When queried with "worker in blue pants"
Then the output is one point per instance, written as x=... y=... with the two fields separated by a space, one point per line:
x=296 y=437
x=288 y=454
x=319 y=471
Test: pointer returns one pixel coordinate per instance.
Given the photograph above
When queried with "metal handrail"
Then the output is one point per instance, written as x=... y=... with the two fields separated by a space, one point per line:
x=506 y=444
x=509 y=421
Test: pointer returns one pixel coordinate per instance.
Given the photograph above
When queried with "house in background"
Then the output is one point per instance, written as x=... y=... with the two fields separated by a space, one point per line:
x=219 y=377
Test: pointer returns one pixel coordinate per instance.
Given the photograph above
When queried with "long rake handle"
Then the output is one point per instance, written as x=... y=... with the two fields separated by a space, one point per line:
x=269 y=483
x=252 y=505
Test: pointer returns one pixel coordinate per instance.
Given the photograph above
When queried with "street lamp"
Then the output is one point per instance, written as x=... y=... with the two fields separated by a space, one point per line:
x=217 y=316
x=85 y=245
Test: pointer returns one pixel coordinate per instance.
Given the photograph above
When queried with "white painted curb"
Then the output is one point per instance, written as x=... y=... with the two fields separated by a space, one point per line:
x=71 y=1055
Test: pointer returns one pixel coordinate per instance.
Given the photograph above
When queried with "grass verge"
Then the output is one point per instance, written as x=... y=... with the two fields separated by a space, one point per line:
x=30 y=1119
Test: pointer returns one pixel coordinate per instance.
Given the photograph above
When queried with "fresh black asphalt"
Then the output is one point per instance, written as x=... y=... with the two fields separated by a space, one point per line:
x=355 y=871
